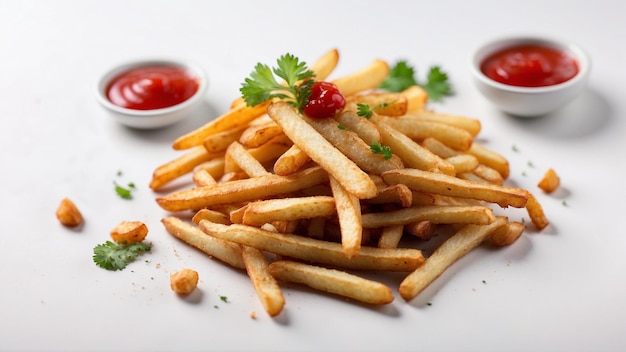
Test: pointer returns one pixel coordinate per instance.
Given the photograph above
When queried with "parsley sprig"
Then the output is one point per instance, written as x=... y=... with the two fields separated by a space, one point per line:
x=378 y=148
x=402 y=76
x=262 y=85
x=367 y=111
x=116 y=256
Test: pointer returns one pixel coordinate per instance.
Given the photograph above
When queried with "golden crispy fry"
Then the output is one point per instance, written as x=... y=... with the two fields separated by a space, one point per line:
x=412 y=154
x=394 y=194
x=368 y=78
x=68 y=214
x=184 y=282
x=215 y=167
x=283 y=209
x=266 y=287
x=423 y=230
x=489 y=174
x=219 y=141
x=472 y=126
x=438 y=148
x=332 y=281
x=236 y=117
x=211 y=215
x=451 y=186
x=349 y=143
x=203 y=177
x=180 y=166
x=463 y=163
x=390 y=236
x=438 y=214
x=388 y=104
x=349 y=215
x=316 y=251
x=418 y=129
x=227 y=252
x=466 y=239
x=490 y=158
x=550 y=181
x=291 y=161
x=257 y=135
x=241 y=158
x=322 y=152
x=416 y=97
x=129 y=232
x=365 y=129
x=325 y=65
x=507 y=233
x=241 y=190
x=535 y=212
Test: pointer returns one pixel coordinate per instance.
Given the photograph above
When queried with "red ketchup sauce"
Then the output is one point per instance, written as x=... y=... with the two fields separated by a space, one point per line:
x=530 y=66
x=152 y=87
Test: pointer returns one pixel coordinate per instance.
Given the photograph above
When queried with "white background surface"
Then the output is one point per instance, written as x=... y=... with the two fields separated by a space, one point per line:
x=563 y=289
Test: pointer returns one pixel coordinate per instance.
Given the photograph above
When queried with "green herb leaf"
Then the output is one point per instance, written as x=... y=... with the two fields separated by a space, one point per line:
x=378 y=148
x=224 y=299
x=262 y=85
x=124 y=193
x=115 y=256
x=366 y=111
x=402 y=76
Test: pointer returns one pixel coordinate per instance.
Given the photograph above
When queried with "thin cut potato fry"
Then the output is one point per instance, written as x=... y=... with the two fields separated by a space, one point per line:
x=239 y=116
x=388 y=104
x=257 y=135
x=219 y=141
x=362 y=127
x=390 y=236
x=284 y=209
x=215 y=167
x=397 y=194
x=423 y=230
x=264 y=283
x=418 y=129
x=227 y=252
x=438 y=214
x=241 y=190
x=367 y=78
x=322 y=152
x=203 y=177
x=211 y=215
x=472 y=126
x=325 y=65
x=416 y=97
x=240 y=156
x=463 y=163
x=507 y=233
x=490 y=158
x=489 y=174
x=535 y=211
x=466 y=239
x=180 y=166
x=550 y=181
x=291 y=161
x=451 y=186
x=349 y=215
x=332 y=281
x=438 y=148
x=316 y=251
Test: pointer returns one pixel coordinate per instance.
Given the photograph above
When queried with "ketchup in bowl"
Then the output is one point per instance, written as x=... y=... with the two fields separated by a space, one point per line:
x=152 y=87
x=530 y=65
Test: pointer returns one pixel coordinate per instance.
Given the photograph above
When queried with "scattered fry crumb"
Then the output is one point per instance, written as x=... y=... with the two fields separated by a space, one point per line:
x=550 y=181
x=68 y=214
x=184 y=281
x=129 y=232
x=253 y=315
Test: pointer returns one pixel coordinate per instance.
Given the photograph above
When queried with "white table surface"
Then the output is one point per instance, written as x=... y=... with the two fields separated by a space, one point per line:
x=563 y=289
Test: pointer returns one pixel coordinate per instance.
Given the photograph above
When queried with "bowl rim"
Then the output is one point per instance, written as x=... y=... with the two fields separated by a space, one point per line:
x=493 y=45
x=105 y=78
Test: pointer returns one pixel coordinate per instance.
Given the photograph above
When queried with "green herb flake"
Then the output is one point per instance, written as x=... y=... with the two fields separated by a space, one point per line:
x=384 y=150
x=116 y=256
x=224 y=299
x=342 y=127
x=124 y=193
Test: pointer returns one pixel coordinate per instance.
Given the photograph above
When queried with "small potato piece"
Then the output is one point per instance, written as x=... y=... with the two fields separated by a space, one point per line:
x=129 y=232
x=68 y=214
x=184 y=282
x=550 y=181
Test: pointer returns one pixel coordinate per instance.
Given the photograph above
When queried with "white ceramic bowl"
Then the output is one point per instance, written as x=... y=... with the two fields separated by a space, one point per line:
x=529 y=101
x=155 y=118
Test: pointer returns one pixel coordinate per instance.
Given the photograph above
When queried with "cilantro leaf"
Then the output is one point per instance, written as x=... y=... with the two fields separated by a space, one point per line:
x=378 y=148
x=125 y=193
x=262 y=85
x=402 y=76
x=115 y=256
x=367 y=111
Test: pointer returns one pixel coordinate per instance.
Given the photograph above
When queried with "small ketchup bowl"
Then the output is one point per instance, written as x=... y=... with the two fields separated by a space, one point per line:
x=530 y=76
x=149 y=94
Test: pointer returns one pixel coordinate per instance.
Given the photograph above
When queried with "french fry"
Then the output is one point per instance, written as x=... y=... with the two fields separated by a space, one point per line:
x=466 y=239
x=257 y=135
x=219 y=141
x=438 y=214
x=490 y=175
x=394 y=194
x=180 y=166
x=265 y=285
x=227 y=252
x=390 y=236
x=550 y=181
x=203 y=177
x=285 y=209
x=241 y=190
x=291 y=161
x=211 y=215
x=322 y=152
x=535 y=212
x=316 y=251
x=451 y=186
x=388 y=104
x=463 y=163
x=325 y=64
x=472 y=126
x=332 y=281
x=365 y=129
x=423 y=230
x=236 y=117
x=349 y=215
x=507 y=234
x=416 y=97
x=438 y=148
x=490 y=158
x=367 y=78
x=419 y=129
x=238 y=155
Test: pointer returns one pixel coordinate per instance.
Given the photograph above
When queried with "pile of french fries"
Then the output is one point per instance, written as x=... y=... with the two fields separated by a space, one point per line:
x=287 y=198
